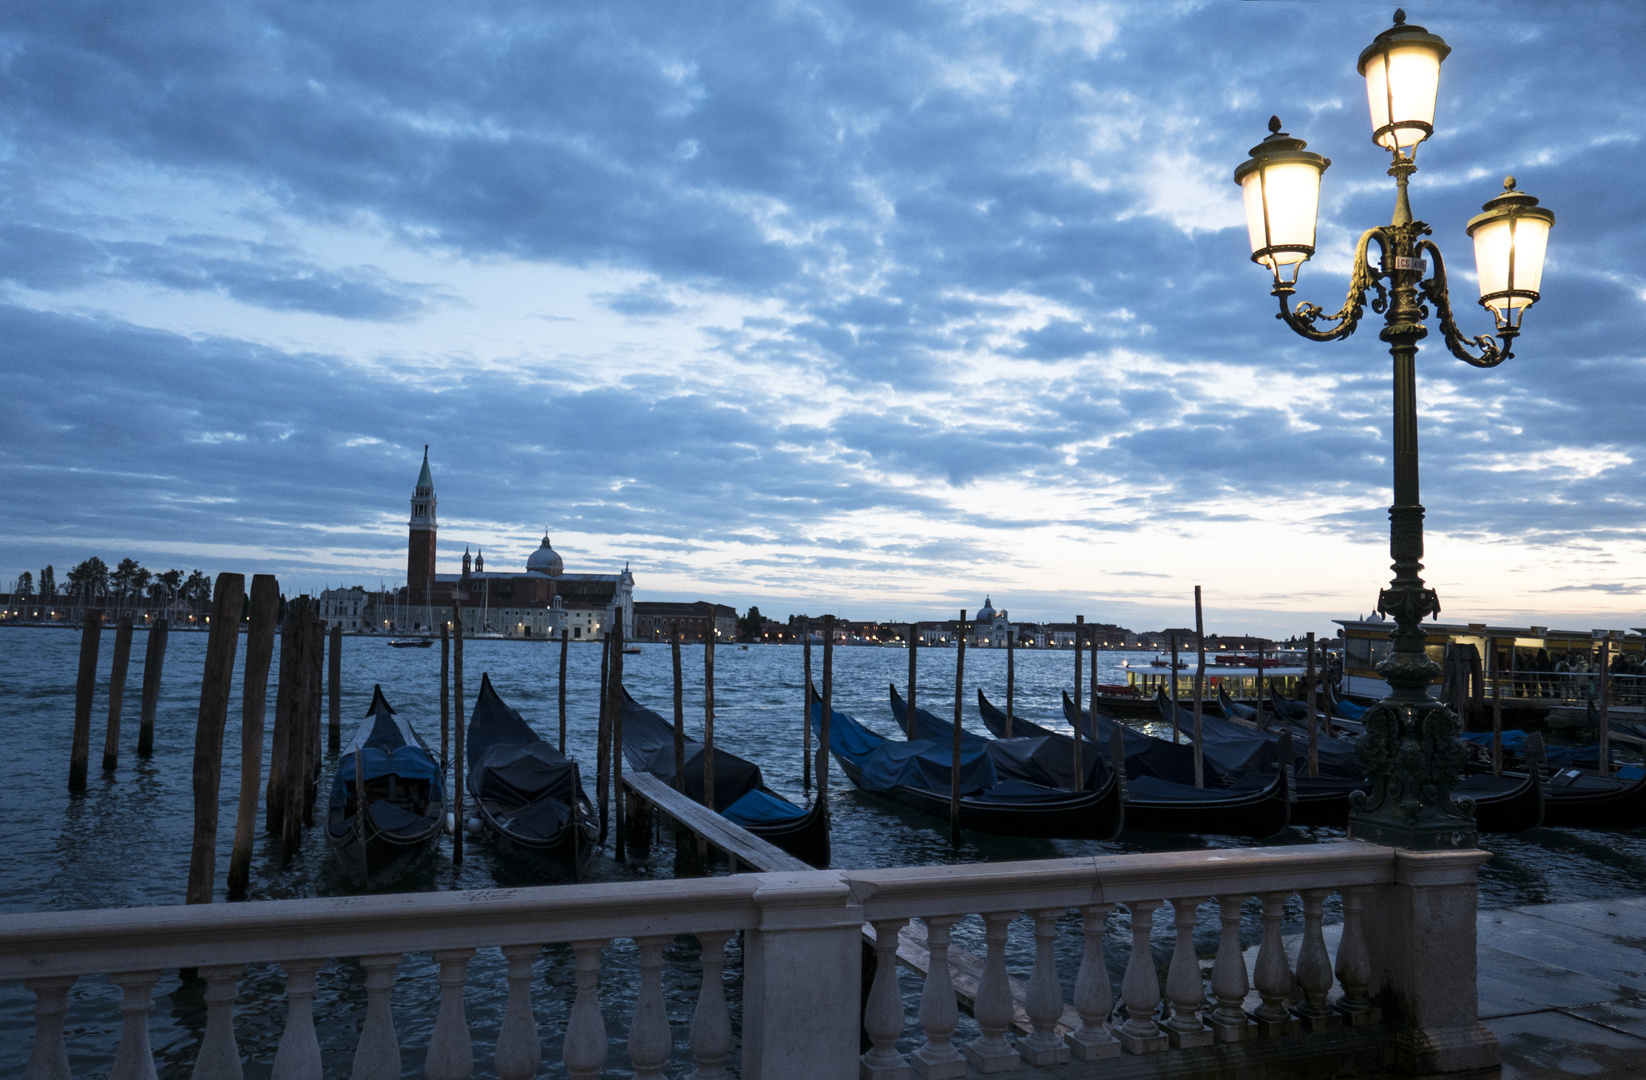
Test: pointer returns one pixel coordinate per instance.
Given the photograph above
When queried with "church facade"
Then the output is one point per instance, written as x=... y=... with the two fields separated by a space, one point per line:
x=538 y=602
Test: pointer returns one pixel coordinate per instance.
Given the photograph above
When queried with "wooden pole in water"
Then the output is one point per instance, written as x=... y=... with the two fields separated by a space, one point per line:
x=1011 y=677
x=824 y=735
x=708 y=714
x=457 y=733
x=154 y=662
x=265 y=611
x=445 y=697
x=274 y=795
x=1497 y=708
x=806 y=728
x=297 y=729
x=1199 y=692
x=229 y=598
x=1314 y=722
x=317 y=687
x=1258 y=693
x=117 y=693
x=1091 y=696
x=334 y=691
x=85 y=687
x=1174 y=686
x=1606 y=706
x=565 y=644
x=914 y=670
x=1079 y=738
x=619 y=797
x=602 y=738
x=679 y=710
x=954 y=761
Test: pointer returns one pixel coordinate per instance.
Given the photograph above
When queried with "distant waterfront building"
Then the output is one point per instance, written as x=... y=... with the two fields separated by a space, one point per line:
x=653 y=620
x=538 y=602
x=352 y=608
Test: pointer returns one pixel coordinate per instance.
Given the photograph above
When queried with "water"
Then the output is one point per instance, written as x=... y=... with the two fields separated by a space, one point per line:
x=125 y=842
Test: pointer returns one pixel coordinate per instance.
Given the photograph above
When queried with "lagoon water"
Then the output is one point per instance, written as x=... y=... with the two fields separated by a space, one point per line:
x=125 y=842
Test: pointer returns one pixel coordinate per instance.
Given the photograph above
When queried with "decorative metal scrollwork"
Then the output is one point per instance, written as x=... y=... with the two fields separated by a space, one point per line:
x=1434 y=290
x=1347 y=318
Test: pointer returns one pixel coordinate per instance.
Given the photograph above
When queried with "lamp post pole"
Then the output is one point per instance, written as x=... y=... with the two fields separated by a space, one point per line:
x=1411 y=750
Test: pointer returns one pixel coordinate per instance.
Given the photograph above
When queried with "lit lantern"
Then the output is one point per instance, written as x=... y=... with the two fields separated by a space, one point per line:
x=1280 y=182
x=1402 y=71
x=1510 y=238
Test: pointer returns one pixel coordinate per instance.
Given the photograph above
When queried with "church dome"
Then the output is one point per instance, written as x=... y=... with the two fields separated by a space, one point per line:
x=546 y=560
x=986 y=613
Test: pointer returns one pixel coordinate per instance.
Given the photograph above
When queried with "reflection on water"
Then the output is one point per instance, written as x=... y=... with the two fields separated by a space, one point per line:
x=125 y=841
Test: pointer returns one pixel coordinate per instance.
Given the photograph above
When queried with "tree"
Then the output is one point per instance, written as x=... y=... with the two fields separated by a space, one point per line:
x=25 y=585
x=167 y=586
x=123 y=578
x=89 y=579
x=197 y=588
x=48 y=585
x=751 y=625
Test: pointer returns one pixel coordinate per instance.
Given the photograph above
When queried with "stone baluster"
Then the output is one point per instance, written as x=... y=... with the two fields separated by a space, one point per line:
x=990 y=1052
x=134 y=1060
x=1184 y=986
x=1274 y=974
x=1093 y=997
x=1354 y=963
x=1140 y=989
x=1229 y=983
x=1314 y=968
x=585 y=1049
x=377 y=1056
x=298 y=1055
x=883 y=1014
x=219 y=1057
x=49 y=1057
x=937 y=1058
x=1045 y=998
x=451 y=1051
x=519 y=1047
x=650 y=1039
x=711 y=1037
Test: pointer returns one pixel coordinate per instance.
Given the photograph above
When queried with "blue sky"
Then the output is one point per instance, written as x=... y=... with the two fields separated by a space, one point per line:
x=879 y=307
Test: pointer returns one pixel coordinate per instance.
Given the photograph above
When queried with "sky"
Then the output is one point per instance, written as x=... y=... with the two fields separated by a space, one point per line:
x=873 y=307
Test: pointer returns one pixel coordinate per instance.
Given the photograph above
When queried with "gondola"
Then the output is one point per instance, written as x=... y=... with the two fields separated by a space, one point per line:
x=740 y=793
x=917 y=774
x=410 y=643
x=405 y=801
x=1346 y=709
x=1152 y=804
x=527 y=794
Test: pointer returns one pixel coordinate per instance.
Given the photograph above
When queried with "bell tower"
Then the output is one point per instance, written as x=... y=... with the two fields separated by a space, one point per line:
x=420 y=543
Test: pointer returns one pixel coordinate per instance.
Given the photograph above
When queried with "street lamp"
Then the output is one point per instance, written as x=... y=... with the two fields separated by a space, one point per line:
x=1410 y=748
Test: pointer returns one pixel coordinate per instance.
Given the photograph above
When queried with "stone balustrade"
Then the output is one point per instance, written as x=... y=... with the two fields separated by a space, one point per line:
x=1407 y=945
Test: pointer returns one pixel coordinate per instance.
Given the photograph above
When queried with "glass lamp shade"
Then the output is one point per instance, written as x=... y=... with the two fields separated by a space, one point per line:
x=1402 y=72
x=1280 y=183
x=1511 y=238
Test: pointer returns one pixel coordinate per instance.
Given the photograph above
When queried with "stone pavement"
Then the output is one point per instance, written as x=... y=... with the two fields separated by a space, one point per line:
x=1563 y=986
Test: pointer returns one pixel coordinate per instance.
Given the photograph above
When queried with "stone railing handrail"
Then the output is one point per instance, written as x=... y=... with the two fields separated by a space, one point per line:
x=1408 y=936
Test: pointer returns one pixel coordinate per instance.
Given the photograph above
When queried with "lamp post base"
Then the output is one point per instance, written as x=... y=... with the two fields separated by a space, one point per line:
x=1429 y=836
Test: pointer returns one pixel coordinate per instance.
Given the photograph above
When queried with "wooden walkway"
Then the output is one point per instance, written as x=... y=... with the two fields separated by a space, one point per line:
x=748 y=850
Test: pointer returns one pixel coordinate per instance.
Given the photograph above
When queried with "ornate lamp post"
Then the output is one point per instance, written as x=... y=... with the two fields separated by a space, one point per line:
x=1410 y=748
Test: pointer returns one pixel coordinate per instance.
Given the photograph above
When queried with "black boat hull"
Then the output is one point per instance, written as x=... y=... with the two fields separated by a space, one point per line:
x=1504 y=804
x=1094 y=815
x=380 y=860
x=1595 y=802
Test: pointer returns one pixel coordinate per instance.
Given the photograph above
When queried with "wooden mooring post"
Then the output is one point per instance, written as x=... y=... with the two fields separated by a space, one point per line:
x=456 y=789
x=1173 y=639
x=316 y=687
x=914 y=664
x=154 y=663
x=806 y=728
x=117 y=692
x=1497 y=705
x=85 y=689
x=1258 y=694
x=294 y=772
x=565 y=644
x=1091 y=697
x=334 y=692
x=679 y=709
x=1606 y=705
x=228 y=599
x=445 y=697
x=1199 y=692
x=1079 y=736
x=1011 y=678
x=954 y=763
x=265 y=612
x=619 y=796
x=708 y=716
x=1314 y=720
x=823 y=735
x=274 y=794
x=603 y=737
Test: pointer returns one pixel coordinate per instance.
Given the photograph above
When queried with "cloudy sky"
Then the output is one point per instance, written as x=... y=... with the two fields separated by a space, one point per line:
x=874 y=306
